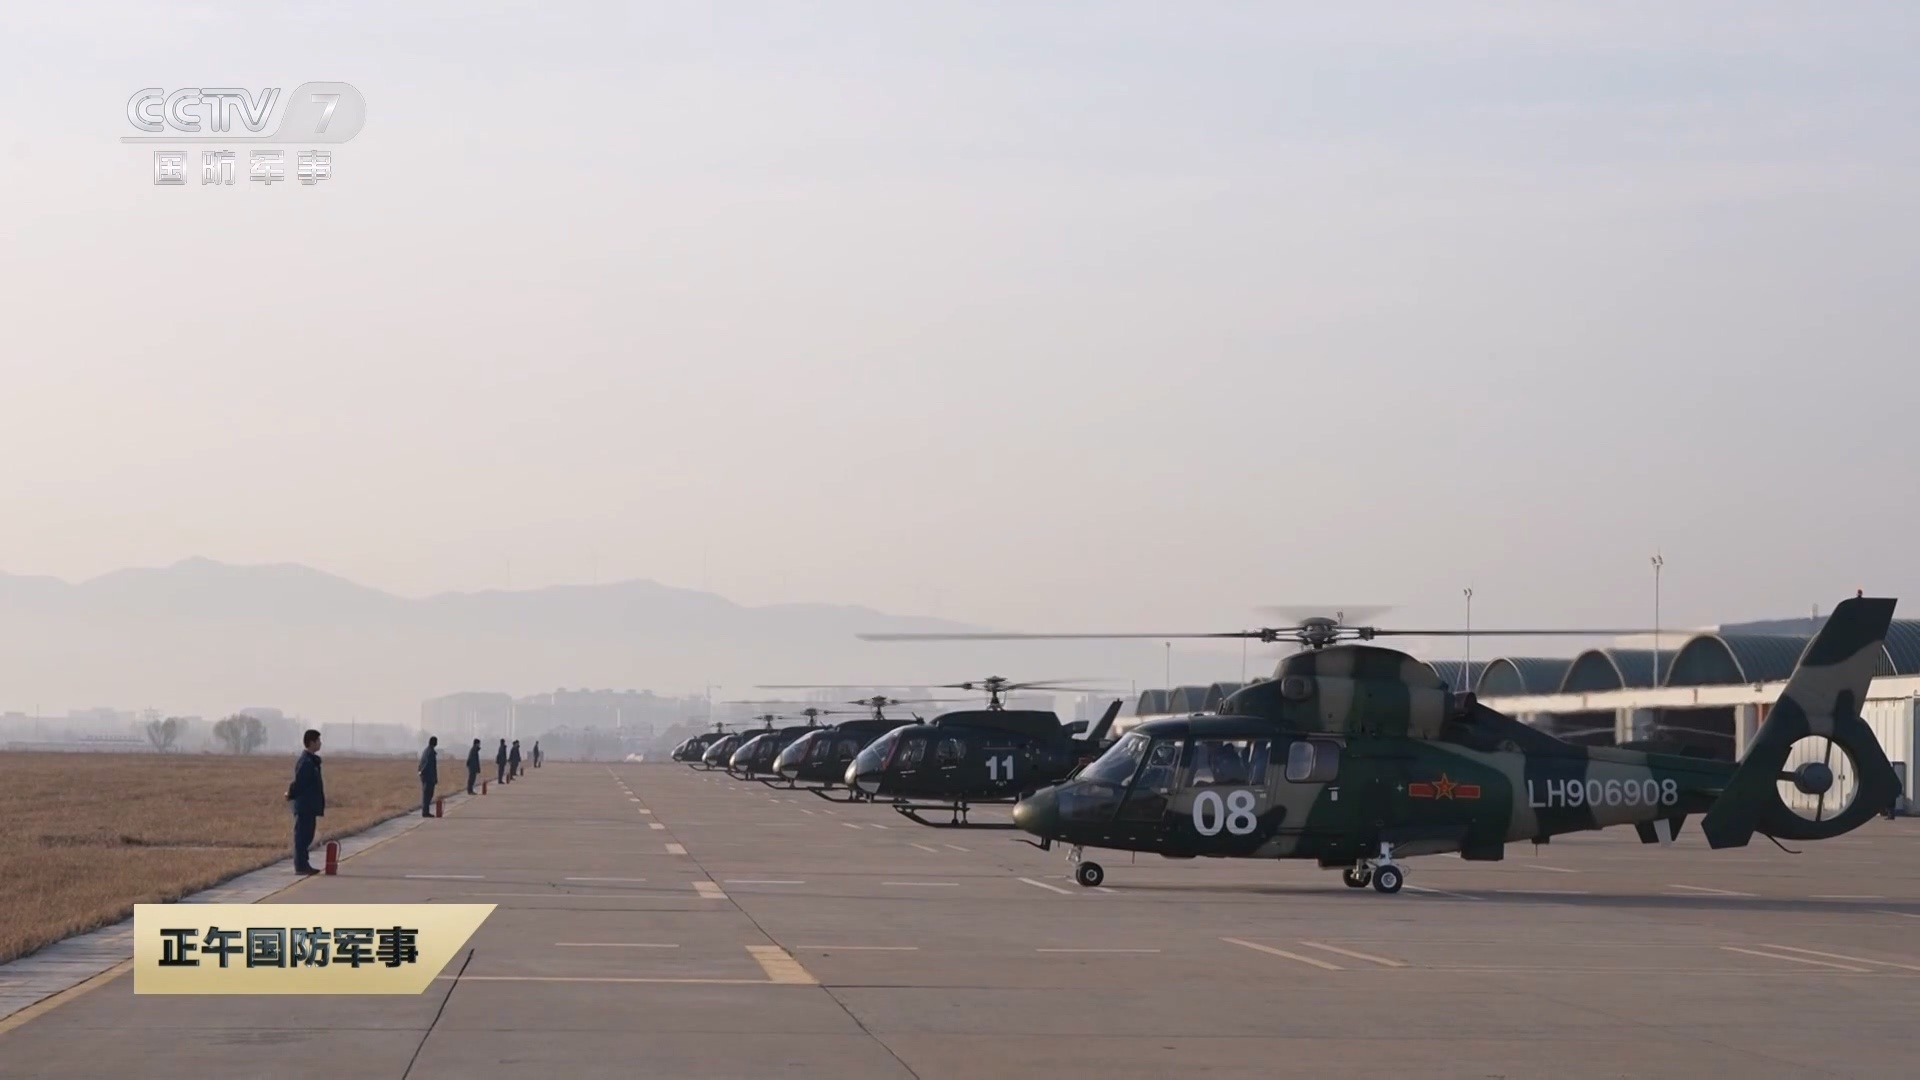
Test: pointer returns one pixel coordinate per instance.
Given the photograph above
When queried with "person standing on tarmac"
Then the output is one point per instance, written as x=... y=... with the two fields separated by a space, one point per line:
x=473 y=765
x=536 y=753
x=500 y=762
x=429 y=774
x=513 y=760
x=307 y=798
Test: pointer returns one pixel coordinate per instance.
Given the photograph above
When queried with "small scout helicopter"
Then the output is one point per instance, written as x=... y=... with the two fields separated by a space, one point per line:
x=990 y=755
x=719 y=752
x=819 y=758
x=692 y=751
x=1357 y=756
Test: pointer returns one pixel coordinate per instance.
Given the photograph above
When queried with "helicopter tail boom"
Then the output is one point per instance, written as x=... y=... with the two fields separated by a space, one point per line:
x=1822 y=702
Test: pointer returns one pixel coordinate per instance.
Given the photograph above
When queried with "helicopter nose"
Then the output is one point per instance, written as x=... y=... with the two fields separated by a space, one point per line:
x=1038 y=813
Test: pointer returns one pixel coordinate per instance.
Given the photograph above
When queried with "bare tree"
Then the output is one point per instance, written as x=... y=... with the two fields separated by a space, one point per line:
x=163 y=733
x=240 y=734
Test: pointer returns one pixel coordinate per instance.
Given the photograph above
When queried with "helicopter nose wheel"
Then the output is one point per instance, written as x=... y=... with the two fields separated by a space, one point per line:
x=1089 y=874
x=1386 y=879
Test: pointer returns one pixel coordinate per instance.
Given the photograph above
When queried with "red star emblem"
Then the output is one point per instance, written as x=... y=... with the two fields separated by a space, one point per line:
x=1443 y=787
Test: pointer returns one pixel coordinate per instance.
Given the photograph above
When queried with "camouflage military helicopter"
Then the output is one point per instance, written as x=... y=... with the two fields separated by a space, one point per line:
x=1359 y=756
x=820 y=757
x=974 y=756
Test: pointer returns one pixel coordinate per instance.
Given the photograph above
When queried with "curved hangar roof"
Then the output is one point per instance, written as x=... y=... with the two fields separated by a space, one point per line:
x=1711 y=659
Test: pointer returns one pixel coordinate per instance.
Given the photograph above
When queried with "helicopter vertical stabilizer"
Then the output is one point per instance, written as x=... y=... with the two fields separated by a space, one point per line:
x=1822 y=702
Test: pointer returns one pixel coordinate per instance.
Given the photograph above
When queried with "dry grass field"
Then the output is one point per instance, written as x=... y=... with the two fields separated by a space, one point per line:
x=84 y=837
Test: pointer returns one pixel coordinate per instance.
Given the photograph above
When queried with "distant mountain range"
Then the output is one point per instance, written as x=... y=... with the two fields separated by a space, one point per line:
x=209 y=638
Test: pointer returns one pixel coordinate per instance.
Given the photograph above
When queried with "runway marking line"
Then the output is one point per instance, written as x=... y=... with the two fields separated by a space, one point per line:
x=927 y=884
x=1716 y=892
x=676 y=849
x=1097 y=950
x=780 y=966
x=859 y=948
x=956 y=847
x=1543 y=892
x=708 y=890
x=644 y=810
x=1841 y=956
x=1902 y=914
x=1283 y=952
x=1381 y=960
x=1044 y=885
x=1439 y=892
x=1843 y=896
x=606 y=879
x=447 y=877
x=1795 y=959
x=761 y=881
x=925 y=848
x=656 y=825
x=850 y=824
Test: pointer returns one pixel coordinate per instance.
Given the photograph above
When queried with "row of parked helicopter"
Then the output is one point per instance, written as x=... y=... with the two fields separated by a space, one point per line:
x=1351 y=754
x=947 y=764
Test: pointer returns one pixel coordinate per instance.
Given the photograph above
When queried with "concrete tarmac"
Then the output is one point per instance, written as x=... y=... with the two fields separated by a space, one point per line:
x=657 y=921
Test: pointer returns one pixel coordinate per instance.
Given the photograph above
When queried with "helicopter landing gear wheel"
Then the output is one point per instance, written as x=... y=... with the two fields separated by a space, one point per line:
x=1387 y=879
x=1089 y=874
x=1356 y=877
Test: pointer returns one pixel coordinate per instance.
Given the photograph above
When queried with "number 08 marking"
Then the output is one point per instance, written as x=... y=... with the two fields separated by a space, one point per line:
x=1235 y=814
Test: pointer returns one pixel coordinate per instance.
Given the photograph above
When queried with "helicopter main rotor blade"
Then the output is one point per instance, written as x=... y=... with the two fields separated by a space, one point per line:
x=1300 y=613
x=1051 y=637
x=1495 y=632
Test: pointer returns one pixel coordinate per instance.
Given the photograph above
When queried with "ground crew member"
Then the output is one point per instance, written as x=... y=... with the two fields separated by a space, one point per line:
x=473 y=765
x=536 y=753
x=307 y=798
x=500 y=762
x=429 y=774
x=513 y=760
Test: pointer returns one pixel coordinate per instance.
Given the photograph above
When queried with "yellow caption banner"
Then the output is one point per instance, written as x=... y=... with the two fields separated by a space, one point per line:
x=297 y=948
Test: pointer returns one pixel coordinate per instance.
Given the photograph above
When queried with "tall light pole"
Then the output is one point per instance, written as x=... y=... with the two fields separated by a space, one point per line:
x=1466 y=669
x=1658 y=562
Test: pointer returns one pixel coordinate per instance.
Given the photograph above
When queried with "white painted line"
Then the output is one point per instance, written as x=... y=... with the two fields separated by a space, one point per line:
x=956 y=847
x=630 y=798
x=1283 y=952
x=644 y=810
x=1044 y=885
x=850 y=824
x=1381 y=960
x=1843 y=896
x=805 y=811
x=611 y=945
x=1438 y=892
x=676 y=849
x=606 y=879
x=708 y=890
x=877 y=825
x=928 y=850
x=1902 y=914
x=1097 y=950
x=1543 y=892
x=761 y=881
x=1839 y=956
x=927 y=884
x=780 y=966
x=447 y=877
x=656 y=826
x=1795 y=959
x=1102 y=888
x=1555 y=869
x=861 y=948
x=1704 y=889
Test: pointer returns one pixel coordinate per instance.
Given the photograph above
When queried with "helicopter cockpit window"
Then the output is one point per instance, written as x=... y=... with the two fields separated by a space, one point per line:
x=949 y=752
x=916 y=751
x=848 y=748
x=1117 y=765
x=1229 y=762
x=1312 y=761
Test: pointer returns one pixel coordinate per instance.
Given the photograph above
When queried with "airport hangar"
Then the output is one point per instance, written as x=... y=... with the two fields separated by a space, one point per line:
x=1709 y=692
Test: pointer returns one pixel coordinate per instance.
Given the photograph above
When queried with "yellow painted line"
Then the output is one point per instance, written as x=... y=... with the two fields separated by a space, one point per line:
x=781 y=967
x=1283 y=952
x=1795 y=959
x=1381 y=960
x=41 y=1008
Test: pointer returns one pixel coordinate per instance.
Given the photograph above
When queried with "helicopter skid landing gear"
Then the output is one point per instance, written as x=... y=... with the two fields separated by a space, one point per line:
x=1382 y=873
x=1088 y=875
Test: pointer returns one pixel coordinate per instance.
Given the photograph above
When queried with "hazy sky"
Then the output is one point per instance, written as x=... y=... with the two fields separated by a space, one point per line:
x=1039 y=315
